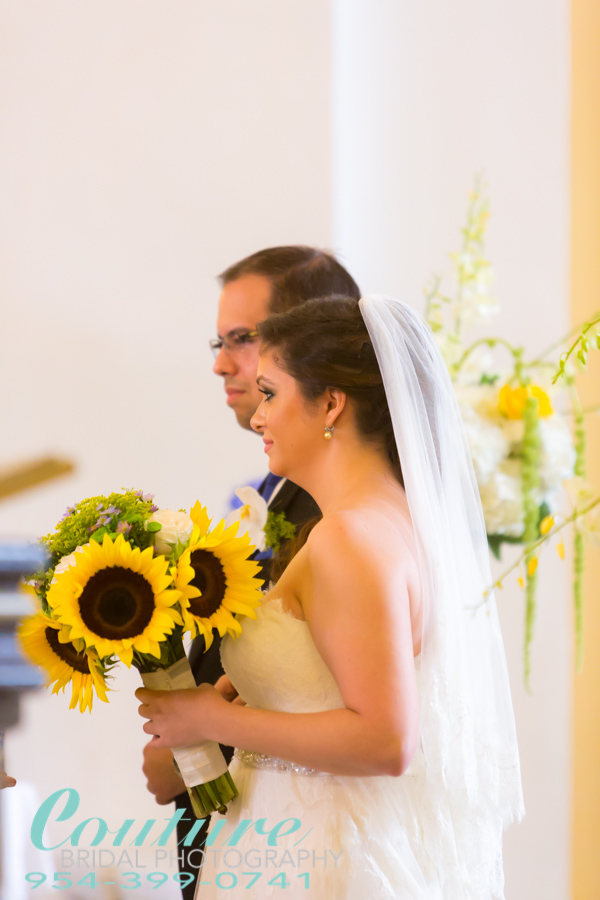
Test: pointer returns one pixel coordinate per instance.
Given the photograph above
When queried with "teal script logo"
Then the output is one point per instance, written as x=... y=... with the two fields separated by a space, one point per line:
x=51 y=810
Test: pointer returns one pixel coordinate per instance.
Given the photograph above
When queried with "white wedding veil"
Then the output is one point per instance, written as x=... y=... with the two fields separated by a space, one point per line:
x=472 y=779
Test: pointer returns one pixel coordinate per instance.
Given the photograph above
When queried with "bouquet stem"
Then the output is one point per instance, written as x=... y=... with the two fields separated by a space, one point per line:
x=202 y=767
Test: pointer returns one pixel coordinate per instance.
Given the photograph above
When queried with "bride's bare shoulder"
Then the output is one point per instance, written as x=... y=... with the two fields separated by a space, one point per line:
x=363 y=554
x=364 y=534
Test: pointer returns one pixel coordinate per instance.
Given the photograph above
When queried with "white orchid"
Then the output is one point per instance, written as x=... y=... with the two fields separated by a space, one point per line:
x=251 y=515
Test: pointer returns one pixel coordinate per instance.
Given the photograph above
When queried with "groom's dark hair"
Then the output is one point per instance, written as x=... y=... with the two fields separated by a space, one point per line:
x=297 y=274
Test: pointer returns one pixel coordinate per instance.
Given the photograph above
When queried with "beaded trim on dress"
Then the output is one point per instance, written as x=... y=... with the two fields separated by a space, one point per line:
x=262 y=761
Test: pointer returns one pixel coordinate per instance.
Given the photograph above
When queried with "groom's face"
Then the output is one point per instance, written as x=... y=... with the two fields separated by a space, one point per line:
x=242 y=304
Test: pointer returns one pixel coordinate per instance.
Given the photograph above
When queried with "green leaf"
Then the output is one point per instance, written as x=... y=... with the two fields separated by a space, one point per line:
x=99 y=535
x=278 y=529
x=495 y=542
x=153 y=527
x=488 y=379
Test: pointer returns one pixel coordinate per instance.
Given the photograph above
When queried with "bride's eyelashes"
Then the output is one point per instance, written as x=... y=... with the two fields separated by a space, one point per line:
x=268 y=394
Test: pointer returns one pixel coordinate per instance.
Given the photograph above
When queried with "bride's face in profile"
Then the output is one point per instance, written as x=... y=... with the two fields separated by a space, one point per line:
x=291 y=427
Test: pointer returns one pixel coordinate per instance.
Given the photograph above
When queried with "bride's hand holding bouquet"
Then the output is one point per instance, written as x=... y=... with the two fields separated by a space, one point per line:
x=182 y=718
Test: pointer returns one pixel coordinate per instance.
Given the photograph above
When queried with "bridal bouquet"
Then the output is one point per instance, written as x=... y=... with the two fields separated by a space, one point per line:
x=516 y=413
x=126 y=582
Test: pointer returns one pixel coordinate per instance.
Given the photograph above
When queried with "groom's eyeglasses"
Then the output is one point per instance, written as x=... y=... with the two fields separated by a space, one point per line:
x=233 y=342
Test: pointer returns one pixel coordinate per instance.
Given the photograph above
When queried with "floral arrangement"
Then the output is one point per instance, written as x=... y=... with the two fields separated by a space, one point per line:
x=126 y=581
x=516 y=415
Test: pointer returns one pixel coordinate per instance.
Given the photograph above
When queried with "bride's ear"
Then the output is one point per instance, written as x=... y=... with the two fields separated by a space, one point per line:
x=335 y=403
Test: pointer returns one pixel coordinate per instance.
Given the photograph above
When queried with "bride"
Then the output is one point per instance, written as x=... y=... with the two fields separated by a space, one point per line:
x=376 y=750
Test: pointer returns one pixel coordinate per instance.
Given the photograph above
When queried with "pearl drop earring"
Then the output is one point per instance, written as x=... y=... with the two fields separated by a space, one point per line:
x=328 y=432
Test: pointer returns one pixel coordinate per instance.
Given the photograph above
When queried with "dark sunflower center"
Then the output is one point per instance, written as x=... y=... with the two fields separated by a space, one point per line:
x=210 y=581
x=67 y=652
x=117 y=603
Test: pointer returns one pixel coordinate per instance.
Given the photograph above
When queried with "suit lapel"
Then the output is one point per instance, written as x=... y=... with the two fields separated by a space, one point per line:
x=283 y=497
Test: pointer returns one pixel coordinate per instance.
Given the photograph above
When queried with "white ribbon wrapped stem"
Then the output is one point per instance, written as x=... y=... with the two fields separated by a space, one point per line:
x=204 y=762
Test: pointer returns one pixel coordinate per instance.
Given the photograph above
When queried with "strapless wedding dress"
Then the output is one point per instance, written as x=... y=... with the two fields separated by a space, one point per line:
x=350 y=838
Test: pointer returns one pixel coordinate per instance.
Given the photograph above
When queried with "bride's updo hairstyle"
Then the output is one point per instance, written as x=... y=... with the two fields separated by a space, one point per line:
x=325 y=343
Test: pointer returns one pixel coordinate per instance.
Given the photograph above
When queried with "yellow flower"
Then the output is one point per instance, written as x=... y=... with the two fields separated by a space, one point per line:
x=511 y=401
x=199 y=517
x=546 y=524
x=117 y=599
x=521 y=582
x=216 y=579
x=47 y=644
x=560 y=549
x=532 y=566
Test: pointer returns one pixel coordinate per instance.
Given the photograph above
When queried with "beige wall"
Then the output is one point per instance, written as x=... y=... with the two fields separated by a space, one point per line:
x=145 y=146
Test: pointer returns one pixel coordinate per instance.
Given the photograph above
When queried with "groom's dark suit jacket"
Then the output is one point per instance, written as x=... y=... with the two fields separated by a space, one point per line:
x=299 y=508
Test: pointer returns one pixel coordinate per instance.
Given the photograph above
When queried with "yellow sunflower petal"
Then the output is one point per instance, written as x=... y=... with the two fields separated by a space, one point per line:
x=76 y=686
x=235 y=606
x=154 y=649
x=199 y=517
x=142 y=644
x=174 y=615
x=126 y=656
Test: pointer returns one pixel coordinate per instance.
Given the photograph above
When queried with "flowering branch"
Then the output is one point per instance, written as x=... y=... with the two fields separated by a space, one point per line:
x=498 y=582
x=585 y=410
x=491 y=342
x=585 y=345
x=524 y=465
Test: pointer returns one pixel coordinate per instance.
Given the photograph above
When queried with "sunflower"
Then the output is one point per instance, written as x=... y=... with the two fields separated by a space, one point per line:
x=117 y=599
x=47 y=644
x=216 y=578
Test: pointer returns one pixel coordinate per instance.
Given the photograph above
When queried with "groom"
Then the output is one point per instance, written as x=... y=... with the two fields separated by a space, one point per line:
x=270 y=281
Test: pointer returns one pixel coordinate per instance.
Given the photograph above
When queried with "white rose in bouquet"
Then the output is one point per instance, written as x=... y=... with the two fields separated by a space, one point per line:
x=176 y=528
